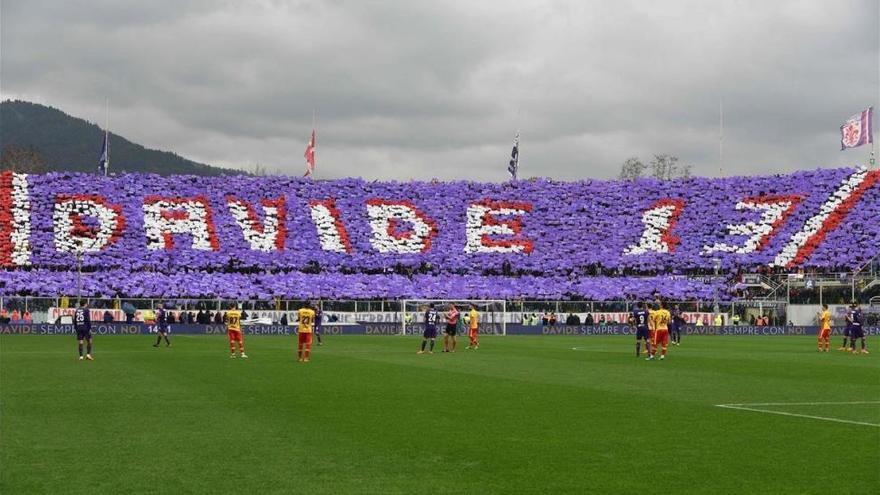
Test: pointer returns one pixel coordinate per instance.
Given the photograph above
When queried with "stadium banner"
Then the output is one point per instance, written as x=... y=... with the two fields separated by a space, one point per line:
x=394 y=329
x=350 y=317
x=140 y=329
x=244 y=238
x=689 y=330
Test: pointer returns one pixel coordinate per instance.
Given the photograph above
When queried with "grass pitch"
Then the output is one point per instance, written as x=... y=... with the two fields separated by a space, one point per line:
x=368 y=415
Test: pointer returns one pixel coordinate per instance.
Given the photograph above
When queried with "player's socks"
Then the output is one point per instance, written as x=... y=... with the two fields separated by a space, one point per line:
x=638 y=349
x=158 y=340
x=167 y=341
x=423 y=345
x=89 y=349
x=80 y=351
x=431 y=347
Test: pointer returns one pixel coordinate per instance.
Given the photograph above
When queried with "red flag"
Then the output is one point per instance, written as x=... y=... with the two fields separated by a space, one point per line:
x=310 y=155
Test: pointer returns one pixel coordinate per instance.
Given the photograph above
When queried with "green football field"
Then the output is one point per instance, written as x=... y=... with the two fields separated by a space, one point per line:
x=368 y=415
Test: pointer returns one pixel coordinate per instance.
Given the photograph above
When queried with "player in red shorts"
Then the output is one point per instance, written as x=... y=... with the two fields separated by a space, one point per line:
x=473 y=328
x=304 y=333
x=825 y=329
x=233 y=331
x=661 y=318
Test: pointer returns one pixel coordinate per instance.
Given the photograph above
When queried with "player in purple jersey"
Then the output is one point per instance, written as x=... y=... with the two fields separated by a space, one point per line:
x=430 y=333
x=82 y=323
x=847 y=331
x=162 y=326
x=855 y=318
x=639 y=319
x=319 y=318
x=676 y=325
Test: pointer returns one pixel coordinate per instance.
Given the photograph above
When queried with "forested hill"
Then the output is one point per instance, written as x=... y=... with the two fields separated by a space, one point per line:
x=35 y=138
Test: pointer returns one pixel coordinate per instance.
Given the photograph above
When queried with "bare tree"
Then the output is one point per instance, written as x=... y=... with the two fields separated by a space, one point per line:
x=259 y=170
x=25 y=160
x=664 y=167
x=632 y=169
x=686 y=171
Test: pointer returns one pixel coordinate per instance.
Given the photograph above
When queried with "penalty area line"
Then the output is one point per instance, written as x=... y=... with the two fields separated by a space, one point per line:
x=745 y=407
x=862 y=402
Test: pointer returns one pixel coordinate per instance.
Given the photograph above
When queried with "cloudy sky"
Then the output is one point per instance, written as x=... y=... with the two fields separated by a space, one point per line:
x=417 y=89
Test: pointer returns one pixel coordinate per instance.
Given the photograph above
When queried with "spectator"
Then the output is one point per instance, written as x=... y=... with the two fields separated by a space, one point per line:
x=699 y=321
x=218 y=318
x=545 y=320
x=283 y=319
x=108 y=316
x=129 y=311
x=719 y=320
x=602 y=321
x=589 y=320
x=27 y=317
x=4 y=317
x=552 y=318
x=16 y=317
x=572 y=319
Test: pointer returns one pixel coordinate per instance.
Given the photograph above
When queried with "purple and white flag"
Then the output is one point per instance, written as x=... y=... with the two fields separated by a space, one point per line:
x=857 y=130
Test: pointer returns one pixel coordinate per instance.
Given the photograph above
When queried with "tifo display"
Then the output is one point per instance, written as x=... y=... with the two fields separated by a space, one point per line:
x=240 y=237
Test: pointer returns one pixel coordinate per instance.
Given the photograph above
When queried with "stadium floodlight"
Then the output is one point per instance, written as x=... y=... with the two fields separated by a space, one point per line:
x=492 y=314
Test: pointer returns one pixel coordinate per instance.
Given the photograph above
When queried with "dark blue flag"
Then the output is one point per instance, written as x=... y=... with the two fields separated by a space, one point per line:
x=104 y=160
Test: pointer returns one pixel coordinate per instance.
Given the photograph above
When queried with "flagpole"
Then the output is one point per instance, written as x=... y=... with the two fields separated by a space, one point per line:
x=721 y=138
x=518 y=150
x=315 y=143
x=871 y=161
x=107 y=134
x=518 y=139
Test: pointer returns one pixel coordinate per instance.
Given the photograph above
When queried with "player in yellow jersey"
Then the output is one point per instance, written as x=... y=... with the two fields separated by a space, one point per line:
x=304 y=331
x=233 y=331
x=660 y=319
x=824 y=329
x=473 y=328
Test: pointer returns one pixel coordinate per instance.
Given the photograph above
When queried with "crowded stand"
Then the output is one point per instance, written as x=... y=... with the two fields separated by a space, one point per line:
x=242 y=237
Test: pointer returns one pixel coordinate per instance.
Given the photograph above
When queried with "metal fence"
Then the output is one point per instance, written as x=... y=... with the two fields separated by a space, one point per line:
x=744 y=311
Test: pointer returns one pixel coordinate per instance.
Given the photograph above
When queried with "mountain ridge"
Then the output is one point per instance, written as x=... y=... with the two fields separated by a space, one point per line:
x=38 y=138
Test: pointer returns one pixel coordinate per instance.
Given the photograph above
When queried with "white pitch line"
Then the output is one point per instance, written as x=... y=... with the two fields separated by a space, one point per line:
x=823 y=418
x=800 y=403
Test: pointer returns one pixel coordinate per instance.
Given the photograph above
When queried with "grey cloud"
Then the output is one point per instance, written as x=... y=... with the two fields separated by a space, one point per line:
x=422 y=90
